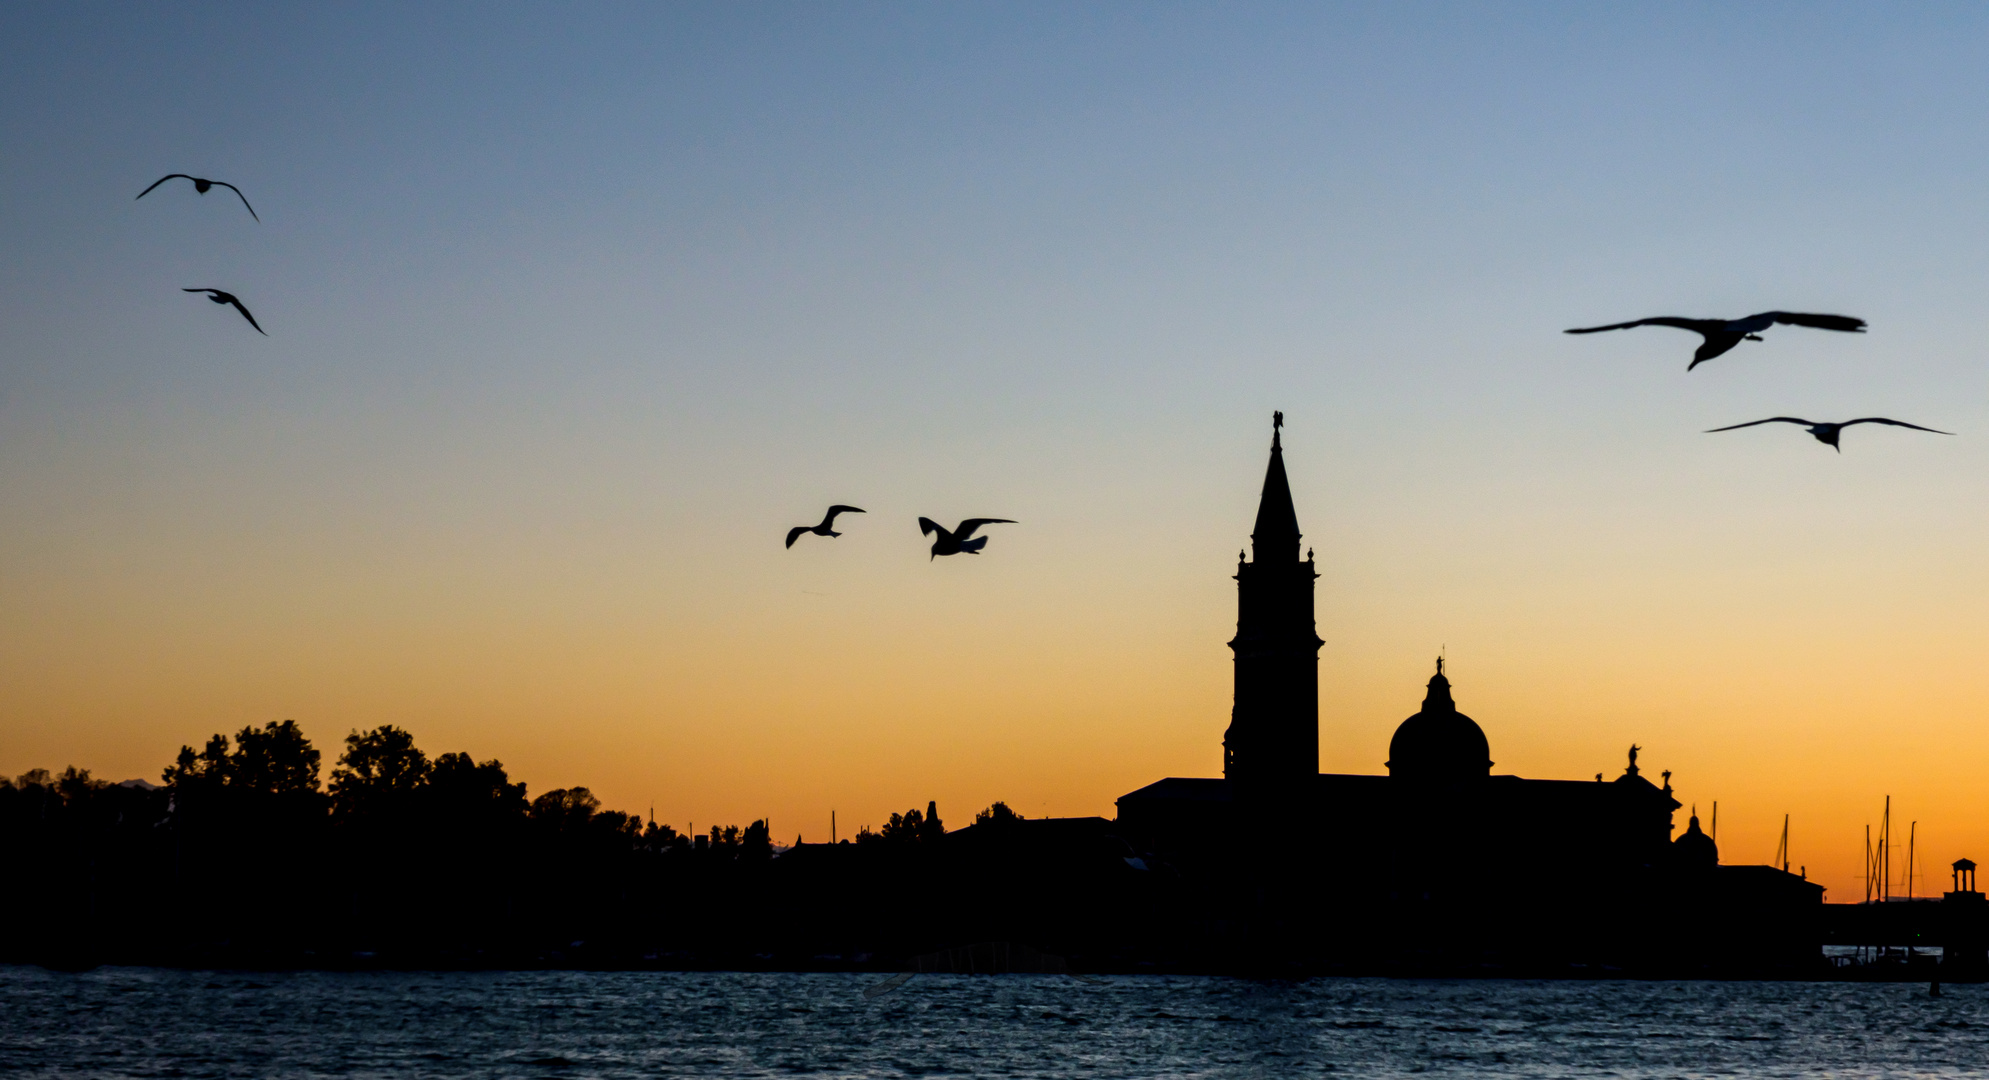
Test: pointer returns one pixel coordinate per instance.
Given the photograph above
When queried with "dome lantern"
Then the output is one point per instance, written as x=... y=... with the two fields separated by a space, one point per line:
x=1439 y=743
x=1695 y=848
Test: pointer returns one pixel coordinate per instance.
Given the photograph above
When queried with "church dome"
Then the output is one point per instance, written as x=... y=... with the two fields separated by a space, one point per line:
x=1695 y=848
x=1439 y=743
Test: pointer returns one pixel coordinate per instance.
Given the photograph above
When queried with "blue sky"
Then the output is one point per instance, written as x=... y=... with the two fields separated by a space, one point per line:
x=570 y=308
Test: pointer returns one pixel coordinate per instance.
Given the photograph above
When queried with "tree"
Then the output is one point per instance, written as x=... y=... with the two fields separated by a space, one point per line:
x=245 y=824
x=756 y=844
x=565 y=807
x=903 y=828
x=377 y=766
x=725 y=841
x=997 y=813
x=660 y=838
x=460 y=785
x=276 y=760
x=208 y=768
x=245 y=856
x=76 y=785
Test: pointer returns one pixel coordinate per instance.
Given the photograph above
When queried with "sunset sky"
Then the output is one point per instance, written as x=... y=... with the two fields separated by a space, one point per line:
x=574 y=310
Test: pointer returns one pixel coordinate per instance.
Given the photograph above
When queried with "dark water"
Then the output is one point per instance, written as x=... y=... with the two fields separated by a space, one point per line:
x=154 y=1023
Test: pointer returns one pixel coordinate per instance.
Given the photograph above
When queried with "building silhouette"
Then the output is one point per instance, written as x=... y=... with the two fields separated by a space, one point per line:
x=1434 y=864
x=1273 y=736
x=1437 y=862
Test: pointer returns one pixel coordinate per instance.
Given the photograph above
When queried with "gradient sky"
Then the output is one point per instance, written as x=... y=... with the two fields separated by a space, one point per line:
x=574 y=310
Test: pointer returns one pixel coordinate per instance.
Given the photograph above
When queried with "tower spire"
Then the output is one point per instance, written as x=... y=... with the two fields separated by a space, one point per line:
x=1273 y=737
x=1275 y=536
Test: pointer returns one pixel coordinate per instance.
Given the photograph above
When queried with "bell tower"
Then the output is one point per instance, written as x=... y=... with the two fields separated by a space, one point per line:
x=1273 y=736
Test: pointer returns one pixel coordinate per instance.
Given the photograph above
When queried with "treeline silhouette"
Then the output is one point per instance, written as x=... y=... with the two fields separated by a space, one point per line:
x=242 y=856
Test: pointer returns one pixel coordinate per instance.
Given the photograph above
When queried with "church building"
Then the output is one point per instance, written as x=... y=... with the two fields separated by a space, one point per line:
x=1436 y=861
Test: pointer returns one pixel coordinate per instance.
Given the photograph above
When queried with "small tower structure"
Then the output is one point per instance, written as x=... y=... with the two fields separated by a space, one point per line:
x=1273 y=736
x=1965 y=926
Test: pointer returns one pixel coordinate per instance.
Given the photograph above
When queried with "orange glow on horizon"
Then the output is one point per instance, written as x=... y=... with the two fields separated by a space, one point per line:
x=817 y=687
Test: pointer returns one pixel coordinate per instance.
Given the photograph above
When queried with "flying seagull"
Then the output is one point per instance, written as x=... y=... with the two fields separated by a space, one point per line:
x=826 y=528
x=955 y=542
x=1828 y=434
x=1723 y=334
x=201 y=186
x=220 y=297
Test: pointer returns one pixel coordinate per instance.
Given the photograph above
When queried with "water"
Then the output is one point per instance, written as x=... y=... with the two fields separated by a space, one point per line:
x=146 y=1022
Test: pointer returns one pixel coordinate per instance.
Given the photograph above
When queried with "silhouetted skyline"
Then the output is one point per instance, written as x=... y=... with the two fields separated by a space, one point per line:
x=571 y=317
x=447 y=863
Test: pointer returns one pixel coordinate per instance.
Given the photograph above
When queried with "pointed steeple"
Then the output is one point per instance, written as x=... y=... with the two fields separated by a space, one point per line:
x=1275 y=537
x=1272 y=744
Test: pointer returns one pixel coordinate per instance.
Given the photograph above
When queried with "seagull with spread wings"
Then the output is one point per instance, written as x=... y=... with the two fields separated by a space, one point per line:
x=1723 y=334
x=1827 y=433
x=826 y=528
x=220 y=297
x=201 y=186
x=956 y=541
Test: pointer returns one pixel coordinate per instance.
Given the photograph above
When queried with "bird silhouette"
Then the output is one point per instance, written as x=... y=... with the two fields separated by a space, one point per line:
x=201 y=186
x=1723 y=334
x=955 y=542
x=1827 y=433
x=220 y=297
x=826 y=528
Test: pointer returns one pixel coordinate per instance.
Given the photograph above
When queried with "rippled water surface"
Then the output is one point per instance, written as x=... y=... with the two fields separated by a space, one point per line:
x=147 y=1022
